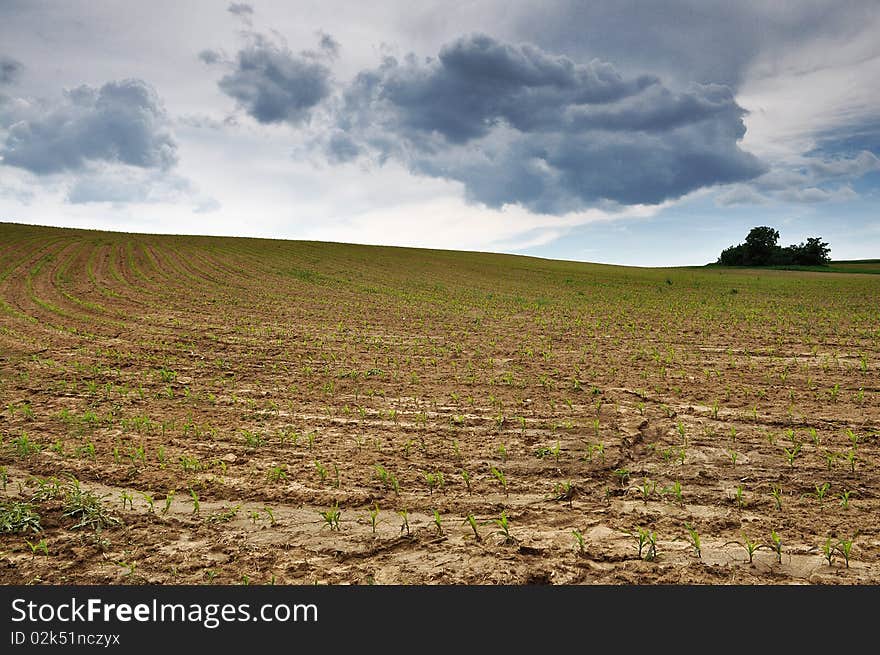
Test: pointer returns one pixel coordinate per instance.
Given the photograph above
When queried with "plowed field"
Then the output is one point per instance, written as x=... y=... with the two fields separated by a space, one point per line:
x=198 y=410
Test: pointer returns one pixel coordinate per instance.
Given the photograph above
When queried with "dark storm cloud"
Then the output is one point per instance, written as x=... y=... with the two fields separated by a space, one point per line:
x=688 y=40
x=122 y=122
x=516 y=124
x=10 y=70
x=274 y=85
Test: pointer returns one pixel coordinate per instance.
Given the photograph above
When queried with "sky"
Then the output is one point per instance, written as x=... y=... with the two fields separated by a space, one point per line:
x=616 y=131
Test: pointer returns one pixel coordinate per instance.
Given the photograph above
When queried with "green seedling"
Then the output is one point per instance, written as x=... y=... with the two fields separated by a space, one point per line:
x=776 y=492
x=404 y=516
x=126 y=497
x=24 y=446
x=254 y=516
x=438 y=522
x=675 y=490
x=850 y=456
x=40 y=547
x=374 y=517
x=169 y=498
x=224 y=515
x=829 y=458
x=694 y=540
x=844 y=547
x=791 y=454
x=504 y=529
x=195 y=499
x=4 y=477
x=776 y=545
x=828 y=550
x=844 y=498
x=647 y=489
x=821 y=491
x=579 y=538
x=321 y=469
x=272 y=520
x=331 y=517
x=733 y=457
x=740 y=499
x=751 y=547
x=277 y=474
x=470 y=520
x=622 y=475
x=434 y=481
x=645 y=539
x=853 y=438
x=502 y=452
x=498 y=474
x=467 y=479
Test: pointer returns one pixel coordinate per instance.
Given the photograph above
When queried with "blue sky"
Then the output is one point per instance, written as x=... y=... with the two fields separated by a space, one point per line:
x=612 y=131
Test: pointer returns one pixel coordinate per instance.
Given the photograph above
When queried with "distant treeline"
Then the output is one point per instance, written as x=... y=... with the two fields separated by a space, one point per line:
x=761 y=249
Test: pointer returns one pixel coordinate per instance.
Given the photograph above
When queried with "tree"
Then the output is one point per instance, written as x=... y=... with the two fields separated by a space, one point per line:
x=761 y=249
x=814 y=252
x=760 y=246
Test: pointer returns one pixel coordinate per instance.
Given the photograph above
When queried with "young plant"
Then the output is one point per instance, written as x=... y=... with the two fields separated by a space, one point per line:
x=791 y=454
x=733 y=455
x=850 y=456
x=844 y=547
x=438 y=522
x=828 y=550
x=694 y=540
x=331 y=517
x=776 y=545
x=776 y=492
x=647 y=489
x=404 y=516
x=467 y=479
x=675 y=490
x=470 y=520
x=821 y=491
x=169 y=498
x=498 y=474
x=321 y=469
x=844 y=498
x=195 y=499
x=504 y=529
x=751 y=547
x=740 y=499
x=579 y=538
x=646 y=539
x=277 y=474
x=434 y=481
x=374 y=517
x=40 y=547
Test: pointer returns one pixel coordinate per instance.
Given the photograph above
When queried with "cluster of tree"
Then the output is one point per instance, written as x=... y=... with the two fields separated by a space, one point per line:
x=760 y=249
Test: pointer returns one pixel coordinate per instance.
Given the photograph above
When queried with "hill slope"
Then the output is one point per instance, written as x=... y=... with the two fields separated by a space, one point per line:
x=268 y=382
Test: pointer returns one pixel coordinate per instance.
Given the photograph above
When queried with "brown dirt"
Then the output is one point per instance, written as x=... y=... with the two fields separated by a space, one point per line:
x=242 y=369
